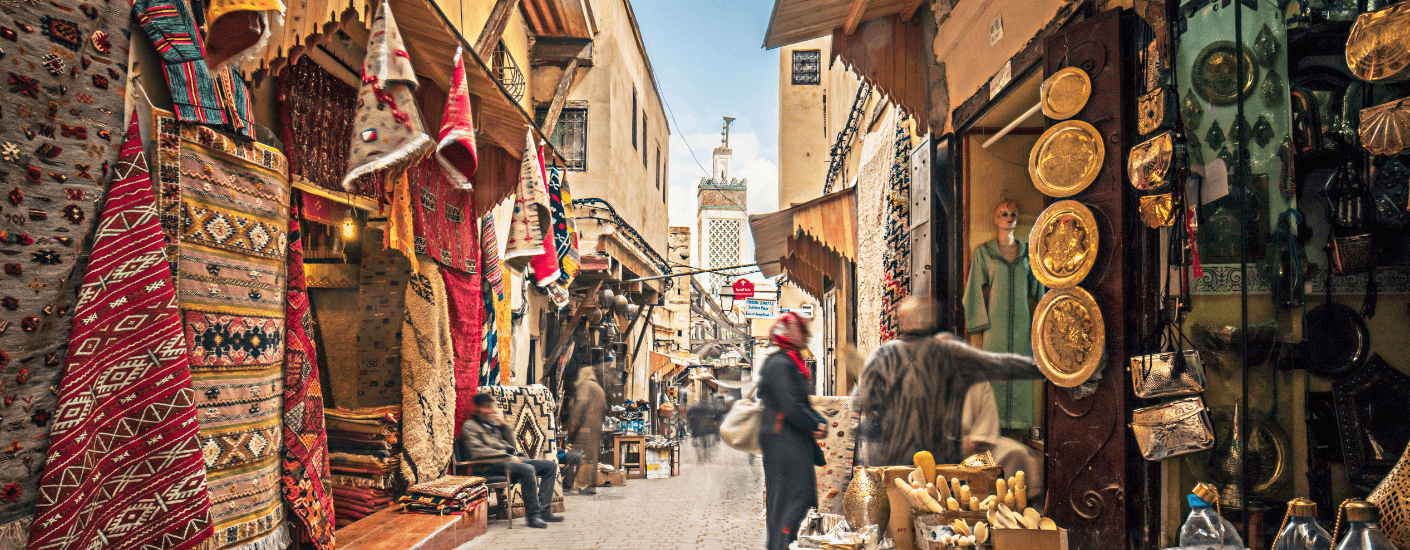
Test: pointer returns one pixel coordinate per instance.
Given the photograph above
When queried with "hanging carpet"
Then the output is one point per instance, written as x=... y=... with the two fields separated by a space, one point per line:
x=233 y=233
x=446 y=227
x=839 y=447
x=67 y=75
x=305 y=478
x=497 y=327
x=529 y=225
x=388 y=131
x=428 y=378
x=467 y=309
x=124 y=469
x=376 y=382
x=530 y=410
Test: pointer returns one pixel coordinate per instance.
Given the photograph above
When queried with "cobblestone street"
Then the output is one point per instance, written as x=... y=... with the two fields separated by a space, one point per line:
x=717 y=505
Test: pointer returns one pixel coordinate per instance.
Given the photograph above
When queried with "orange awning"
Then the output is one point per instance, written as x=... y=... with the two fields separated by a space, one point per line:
x=809 y=241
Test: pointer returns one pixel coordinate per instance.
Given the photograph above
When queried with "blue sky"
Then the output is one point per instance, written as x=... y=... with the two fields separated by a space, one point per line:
x=709 y=62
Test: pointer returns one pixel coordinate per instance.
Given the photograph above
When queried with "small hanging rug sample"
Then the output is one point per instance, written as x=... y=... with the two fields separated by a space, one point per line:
x=124 y=469
x=66 y=73
x=307 y=487
x=428 y=378
x=839 y=447
x=233 y=243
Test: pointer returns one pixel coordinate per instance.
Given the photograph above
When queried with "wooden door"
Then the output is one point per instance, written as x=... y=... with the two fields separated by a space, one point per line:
x=829 y=333
x=1096 y=482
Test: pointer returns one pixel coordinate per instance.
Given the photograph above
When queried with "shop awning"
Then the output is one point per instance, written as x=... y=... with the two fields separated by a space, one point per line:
x=794 y=21
x=888 y=53
x=808 y=240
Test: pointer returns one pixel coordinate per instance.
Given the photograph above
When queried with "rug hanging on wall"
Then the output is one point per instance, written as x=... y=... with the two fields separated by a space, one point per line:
x=839 y=447
x=428 y=379
x=530 y=411
x=497 y=327
x=376 y=382
x=896 y=258
x=445 y=227
x=67 y=76
x=234 y=203
x=306 y=484
x=124 y=441
x=530 y=224
x=467 y=308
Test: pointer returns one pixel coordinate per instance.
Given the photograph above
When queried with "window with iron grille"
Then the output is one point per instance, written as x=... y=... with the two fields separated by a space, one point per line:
x=570 y=136
x=807 y=67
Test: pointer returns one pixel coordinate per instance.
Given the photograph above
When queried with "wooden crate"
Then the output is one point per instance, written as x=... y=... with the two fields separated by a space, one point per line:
x=979 y=479
x=1028 y=539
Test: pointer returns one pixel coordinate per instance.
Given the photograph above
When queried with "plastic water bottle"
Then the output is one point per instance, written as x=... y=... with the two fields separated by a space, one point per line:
x=1302 y=531
x=1362 y=530
x=1205 y=529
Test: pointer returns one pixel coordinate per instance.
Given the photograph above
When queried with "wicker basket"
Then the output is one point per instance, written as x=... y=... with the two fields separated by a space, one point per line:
x=925 y=523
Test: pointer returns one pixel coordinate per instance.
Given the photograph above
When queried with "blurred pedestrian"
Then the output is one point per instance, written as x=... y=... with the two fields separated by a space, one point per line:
x=788 y=432
x=704 y=429
x=589 y=408
x=912 y=394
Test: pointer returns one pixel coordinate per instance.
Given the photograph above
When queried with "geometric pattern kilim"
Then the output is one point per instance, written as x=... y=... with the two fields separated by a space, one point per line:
x=124 y=463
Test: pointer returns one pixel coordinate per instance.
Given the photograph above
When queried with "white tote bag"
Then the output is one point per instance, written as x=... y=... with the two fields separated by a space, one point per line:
x=740 y=428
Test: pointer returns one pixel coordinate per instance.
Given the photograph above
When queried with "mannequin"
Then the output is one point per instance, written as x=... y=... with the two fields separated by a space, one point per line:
x=996 y=303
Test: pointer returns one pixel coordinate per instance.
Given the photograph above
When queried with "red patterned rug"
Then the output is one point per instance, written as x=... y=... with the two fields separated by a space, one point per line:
x=125 y=466
x=307 y=487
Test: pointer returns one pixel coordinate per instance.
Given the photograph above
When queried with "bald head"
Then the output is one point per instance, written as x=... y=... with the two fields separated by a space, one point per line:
x=917 y=315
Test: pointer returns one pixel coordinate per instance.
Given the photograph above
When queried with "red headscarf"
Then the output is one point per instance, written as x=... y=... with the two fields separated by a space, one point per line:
x=790 y=333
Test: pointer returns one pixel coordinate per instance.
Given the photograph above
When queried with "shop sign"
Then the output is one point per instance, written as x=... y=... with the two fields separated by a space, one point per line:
x=760 y=309
x=806 y=310
x=743 y=288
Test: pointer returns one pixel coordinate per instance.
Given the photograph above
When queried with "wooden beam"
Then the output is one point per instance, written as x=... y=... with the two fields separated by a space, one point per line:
x=854 y=16
x=494 y=27
x=909 y=10
x=558 y=51
x=560 y=95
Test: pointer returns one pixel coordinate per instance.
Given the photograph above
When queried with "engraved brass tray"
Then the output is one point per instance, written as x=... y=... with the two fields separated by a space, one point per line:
x=1213 y=74
x=1062 y=248
x=1378 y=49
x=1065 y=93
x=1150 y=162
x=1158 y=210
x=1068 y=336
x=1385 y=128
x=1066 y=159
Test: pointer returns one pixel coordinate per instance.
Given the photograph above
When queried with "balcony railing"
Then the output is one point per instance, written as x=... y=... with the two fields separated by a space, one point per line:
x=507 y=72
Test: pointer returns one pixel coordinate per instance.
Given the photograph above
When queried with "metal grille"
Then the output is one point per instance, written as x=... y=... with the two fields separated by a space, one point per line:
x=507 y=72
x=570 y=138
x=807 y=67
x=724 y=248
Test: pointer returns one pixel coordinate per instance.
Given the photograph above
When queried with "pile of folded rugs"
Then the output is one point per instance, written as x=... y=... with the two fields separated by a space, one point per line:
x=363 y=454
x=447 y=495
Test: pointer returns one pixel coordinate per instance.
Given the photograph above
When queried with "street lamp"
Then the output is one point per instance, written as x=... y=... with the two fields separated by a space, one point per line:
x=727 y=297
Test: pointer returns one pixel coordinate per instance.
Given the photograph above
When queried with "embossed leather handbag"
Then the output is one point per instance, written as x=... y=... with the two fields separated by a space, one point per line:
x=1168 y=374
x=1173 y=429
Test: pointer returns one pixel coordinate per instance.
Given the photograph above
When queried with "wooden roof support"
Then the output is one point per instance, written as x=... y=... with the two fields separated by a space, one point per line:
x=854 y=16
x=560 y=95
x=494 y=27
x=909 y=10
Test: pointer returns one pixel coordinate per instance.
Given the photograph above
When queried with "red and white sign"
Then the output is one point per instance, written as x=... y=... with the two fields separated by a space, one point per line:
x=743 y=289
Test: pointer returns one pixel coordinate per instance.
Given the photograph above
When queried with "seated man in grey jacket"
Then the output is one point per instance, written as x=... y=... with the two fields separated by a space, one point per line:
x=488 y=443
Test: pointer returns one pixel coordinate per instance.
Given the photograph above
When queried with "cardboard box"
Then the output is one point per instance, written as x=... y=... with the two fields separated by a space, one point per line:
x=616 y=478
x=1029 y=539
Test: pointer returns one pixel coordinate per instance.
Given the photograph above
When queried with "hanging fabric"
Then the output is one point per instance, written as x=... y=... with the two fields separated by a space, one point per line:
x=456 y=149
x=387 y=132
x=124 y=436
x=531 y=219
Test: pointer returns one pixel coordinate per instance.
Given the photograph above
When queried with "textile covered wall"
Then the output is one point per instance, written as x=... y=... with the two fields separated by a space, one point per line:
x=872 y=180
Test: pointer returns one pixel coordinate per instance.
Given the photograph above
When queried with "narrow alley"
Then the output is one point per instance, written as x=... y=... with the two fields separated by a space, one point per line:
x=716 y=505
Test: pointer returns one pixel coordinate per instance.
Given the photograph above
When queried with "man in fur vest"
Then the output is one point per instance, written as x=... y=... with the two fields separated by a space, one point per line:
x=912 y=393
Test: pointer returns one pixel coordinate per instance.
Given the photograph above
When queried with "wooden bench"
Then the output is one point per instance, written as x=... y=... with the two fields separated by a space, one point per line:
x=391 y=529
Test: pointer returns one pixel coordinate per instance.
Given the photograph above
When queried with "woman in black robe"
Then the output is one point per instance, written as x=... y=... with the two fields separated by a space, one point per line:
x=787 y=433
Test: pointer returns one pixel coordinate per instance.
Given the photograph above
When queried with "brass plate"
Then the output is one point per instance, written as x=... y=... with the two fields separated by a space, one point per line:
x=1149 y=162
x=1062 y=248
x=1065 y=93
x=1378 y=49
x=1068 y=336
x=1213 y=74
x=1066 y=159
